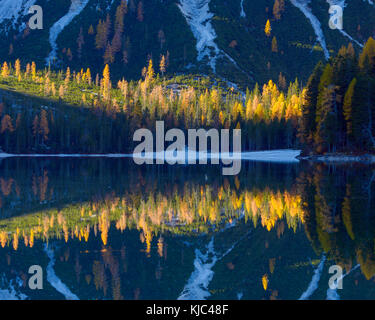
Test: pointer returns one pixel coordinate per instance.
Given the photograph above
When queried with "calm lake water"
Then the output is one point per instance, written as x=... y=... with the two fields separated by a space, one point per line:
x=108 y=229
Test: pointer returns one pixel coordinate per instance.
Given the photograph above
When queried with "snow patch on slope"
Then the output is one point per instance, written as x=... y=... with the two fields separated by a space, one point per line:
x=197 y=285
x=11 y=293
x=54 y=280
x=198 y=16
x=12 y=10
x=314 y=281
x=75 y=9
x=303 y=5
x=242 y=14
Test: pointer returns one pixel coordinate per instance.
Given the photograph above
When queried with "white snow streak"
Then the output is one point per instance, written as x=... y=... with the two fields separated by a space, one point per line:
x=75 y=9
x=303 y=5
x=198 y=16
x=242 y=14
x=54 y=280
x=350 y=38
x=314 y=281
x=197 y=285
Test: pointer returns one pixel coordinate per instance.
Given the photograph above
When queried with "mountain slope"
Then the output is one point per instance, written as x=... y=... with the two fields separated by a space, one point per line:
x=197 y=36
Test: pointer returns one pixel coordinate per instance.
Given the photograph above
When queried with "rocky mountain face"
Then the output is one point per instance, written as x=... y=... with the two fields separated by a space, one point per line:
x=224 y=38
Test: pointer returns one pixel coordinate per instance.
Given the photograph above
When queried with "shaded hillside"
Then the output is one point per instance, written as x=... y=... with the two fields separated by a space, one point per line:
x=224 y=37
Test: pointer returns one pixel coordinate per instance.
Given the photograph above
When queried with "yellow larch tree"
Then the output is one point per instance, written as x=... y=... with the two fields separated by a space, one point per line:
x=267 y=29
x=17 y=67
x=150 y=70
x=61 y=92
x=162 y=66
x=106 y=83
x=33 y=70
x=88 y=76
x=67 y=78
x=6 y=124
x=5 y=70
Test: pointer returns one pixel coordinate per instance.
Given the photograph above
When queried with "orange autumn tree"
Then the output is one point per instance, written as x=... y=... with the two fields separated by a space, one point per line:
x=43 y=126
x=6 y=124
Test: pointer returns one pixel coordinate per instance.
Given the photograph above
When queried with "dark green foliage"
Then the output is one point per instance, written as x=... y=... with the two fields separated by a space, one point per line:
x=326 y=137
x=253 y=60
x=363 y=106
x=344 y=104
x=307 y=123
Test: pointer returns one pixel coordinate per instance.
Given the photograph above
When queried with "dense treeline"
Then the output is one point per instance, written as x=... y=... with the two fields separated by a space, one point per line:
x=338 y=207
x=82 y=114
x=87 y=115
x=338 y=112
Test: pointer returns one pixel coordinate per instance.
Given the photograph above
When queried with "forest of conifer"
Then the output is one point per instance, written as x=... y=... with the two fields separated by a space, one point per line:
x=72 y=112
x=338 y=111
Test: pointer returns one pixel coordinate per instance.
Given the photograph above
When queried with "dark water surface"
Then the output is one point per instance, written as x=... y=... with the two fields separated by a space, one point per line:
x=108 y=229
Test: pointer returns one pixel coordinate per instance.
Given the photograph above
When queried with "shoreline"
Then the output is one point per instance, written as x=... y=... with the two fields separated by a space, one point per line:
x=280 y=155
x=340 y=158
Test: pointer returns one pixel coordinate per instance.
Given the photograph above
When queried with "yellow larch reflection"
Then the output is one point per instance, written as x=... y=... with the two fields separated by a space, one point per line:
x=192 y=209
